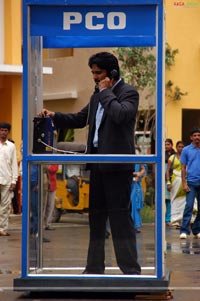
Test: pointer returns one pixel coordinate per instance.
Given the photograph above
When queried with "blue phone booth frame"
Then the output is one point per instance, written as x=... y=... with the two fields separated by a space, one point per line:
x=140 y=23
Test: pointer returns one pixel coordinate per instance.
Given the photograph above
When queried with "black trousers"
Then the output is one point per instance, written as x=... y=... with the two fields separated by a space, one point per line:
x=110 y=197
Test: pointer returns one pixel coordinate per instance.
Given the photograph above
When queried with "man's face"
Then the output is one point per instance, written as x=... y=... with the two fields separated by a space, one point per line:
x=3 y=133
x=98 y=74
x=195 y=137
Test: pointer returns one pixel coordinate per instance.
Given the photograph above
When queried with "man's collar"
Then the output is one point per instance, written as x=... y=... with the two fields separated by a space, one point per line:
x=4 y=142
x=195 y=146
x=117 y=82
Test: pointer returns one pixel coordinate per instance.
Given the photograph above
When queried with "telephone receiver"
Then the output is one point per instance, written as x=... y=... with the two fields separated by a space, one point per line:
x=114 y=74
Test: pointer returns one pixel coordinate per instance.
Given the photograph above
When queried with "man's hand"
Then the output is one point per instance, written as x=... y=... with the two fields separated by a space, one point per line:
x=45 y=112
x=12 y=187
x=105 y=83
x=169 y=186
x=186 y=187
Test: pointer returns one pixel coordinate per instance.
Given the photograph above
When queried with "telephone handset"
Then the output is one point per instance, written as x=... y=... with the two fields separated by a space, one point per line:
x=114 y=74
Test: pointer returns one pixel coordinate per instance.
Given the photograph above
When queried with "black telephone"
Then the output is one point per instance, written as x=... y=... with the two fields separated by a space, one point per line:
x=43 y=135
x=114 y=74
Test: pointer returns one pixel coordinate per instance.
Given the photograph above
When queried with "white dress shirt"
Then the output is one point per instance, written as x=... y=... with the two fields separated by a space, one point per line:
x=8 y=163
x=99 y=115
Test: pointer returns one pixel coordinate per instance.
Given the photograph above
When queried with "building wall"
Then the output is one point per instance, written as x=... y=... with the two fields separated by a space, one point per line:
x=182 y=33
x=13 y=32
x=16 y=112
x=5 y=96
x=11 y=105
x=11 y=85
x=1 y=31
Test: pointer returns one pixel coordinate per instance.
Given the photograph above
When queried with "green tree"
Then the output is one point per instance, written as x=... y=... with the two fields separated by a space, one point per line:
x=174 y=93
x=138 y=68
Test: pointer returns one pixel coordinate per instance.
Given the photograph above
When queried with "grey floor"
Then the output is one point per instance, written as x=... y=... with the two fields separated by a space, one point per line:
x=66 y=254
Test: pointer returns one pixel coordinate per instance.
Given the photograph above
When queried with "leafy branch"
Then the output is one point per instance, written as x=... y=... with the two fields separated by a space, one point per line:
x=170 y=56
x=138 y=67
x=174 y=93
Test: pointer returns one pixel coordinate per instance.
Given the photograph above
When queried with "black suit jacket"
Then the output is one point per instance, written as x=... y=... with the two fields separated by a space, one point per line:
x=116 y=131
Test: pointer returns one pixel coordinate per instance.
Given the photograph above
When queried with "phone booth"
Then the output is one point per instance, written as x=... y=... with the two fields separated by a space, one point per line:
x=86 y=24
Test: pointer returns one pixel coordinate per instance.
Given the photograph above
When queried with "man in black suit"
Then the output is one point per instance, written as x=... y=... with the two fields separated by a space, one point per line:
x=111 y=115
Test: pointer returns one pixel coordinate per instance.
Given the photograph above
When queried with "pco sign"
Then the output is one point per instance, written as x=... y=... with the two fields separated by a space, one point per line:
x=95 y=20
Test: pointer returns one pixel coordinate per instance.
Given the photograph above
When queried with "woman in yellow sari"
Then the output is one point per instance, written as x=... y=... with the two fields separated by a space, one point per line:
x=174 y=185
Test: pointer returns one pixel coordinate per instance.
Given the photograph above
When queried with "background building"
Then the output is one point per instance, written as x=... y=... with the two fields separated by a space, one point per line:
x=182 y=23
x=11 y=66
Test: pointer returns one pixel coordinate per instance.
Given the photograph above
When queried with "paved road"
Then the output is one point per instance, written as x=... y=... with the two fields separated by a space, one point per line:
x=70 y=237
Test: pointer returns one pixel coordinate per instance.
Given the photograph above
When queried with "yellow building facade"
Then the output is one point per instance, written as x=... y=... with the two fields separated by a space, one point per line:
x=70 y=85
x=11 y=67
x=182 y=33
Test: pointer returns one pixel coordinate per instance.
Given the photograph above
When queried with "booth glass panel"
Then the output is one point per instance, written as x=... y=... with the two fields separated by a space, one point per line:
x=65 y=255
x=41 y=135
x=63 y=249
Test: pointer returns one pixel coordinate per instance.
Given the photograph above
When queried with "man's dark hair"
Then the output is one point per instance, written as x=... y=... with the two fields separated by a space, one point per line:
x=5 y=125
x=105 y=61
x=195 y=130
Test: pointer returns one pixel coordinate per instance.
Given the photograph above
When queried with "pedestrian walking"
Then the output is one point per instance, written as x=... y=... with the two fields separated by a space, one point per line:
x=190 y=173
x=8 y=176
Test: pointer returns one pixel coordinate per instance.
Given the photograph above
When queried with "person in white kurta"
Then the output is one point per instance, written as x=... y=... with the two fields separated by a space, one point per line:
x=8 y=175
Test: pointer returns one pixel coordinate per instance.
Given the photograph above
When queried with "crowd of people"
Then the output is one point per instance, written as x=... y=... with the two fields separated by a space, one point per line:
x=183 y=185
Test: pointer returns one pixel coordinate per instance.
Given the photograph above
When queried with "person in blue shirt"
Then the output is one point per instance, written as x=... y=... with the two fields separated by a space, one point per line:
x=190 y=173
x=137 y=197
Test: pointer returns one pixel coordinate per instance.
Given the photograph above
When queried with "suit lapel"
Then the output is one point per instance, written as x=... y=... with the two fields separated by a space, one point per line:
x=115 y=91
x=95 y=101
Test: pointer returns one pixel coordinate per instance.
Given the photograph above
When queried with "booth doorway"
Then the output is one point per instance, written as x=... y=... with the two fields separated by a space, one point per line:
x=190 y=119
